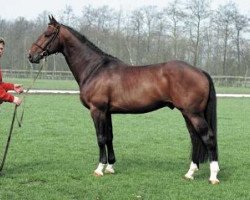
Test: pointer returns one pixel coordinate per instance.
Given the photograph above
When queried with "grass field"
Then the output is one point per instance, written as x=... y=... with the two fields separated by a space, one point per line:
x=54 y=154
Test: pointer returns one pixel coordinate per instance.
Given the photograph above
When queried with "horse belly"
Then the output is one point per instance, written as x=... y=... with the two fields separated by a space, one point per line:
x=136 y=108
x=138 y=102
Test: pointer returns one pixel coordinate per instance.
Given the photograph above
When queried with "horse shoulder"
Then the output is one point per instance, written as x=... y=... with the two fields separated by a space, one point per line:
x=94 y=92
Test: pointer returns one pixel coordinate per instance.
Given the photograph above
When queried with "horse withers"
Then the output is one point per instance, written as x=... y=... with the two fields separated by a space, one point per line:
x=108 y=86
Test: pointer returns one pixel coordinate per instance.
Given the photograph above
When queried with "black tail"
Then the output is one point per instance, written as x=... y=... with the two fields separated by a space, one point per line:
x=200 y=151
x=210 y=113
x=211 y=117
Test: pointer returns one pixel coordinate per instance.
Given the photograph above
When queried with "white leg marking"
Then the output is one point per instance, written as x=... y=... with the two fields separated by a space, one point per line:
x=190 y=174
x=214 y=169
x=110 y=169
x=99 y=169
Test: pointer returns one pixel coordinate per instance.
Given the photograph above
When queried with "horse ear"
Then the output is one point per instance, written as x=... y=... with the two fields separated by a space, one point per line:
x=53 y=20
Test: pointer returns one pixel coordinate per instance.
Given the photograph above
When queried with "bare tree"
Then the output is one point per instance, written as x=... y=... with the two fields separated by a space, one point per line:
x=176 y=18
x=197 y=11
x=159 y=34
x=68 y=17
x=241 y=23
x=151 y=17
x=224 y=20
x=137 y=22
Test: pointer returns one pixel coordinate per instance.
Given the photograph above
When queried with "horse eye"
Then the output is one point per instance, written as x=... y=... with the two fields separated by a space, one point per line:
x=47 y=33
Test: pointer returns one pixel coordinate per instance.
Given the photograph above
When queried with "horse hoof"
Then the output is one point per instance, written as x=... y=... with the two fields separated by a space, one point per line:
x=98 y=174
x=214 y=182
x=188 y=177
x=109 y=171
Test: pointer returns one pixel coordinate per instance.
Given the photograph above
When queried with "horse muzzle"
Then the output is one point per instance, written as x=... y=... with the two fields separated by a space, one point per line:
x=36 y=58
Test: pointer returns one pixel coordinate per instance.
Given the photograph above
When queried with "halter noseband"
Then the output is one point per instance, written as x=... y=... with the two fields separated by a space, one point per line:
x=45 y=49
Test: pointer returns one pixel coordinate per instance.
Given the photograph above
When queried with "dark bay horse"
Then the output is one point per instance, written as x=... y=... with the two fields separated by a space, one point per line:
x=108 y=86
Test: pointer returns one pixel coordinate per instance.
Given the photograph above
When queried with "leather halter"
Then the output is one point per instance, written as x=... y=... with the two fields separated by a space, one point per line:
x=45 y=49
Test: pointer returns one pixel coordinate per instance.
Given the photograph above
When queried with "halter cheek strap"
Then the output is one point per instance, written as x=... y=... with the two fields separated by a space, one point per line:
x=45 y=49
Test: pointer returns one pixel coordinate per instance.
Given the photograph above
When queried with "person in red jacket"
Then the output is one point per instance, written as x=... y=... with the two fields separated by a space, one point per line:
x=5 y=87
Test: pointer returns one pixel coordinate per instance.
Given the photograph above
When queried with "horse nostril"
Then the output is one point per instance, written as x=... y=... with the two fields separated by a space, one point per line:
x=30 y=57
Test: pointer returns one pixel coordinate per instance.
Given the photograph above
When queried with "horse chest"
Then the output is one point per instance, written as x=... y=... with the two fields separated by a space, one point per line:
x=94 y=98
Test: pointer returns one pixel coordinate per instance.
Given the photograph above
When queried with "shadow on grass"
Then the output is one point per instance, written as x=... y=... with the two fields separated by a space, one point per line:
x=29 y=168
x=130 y=164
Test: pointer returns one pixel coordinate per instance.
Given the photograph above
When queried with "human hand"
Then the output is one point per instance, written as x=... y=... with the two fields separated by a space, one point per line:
x=18 y=88
x=17 y=101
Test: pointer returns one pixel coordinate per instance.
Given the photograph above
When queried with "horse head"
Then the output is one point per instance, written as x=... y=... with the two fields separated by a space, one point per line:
x=47 y=43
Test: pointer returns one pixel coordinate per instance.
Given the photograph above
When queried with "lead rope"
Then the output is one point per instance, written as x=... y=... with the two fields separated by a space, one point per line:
x=8 y=141
x=19 y=121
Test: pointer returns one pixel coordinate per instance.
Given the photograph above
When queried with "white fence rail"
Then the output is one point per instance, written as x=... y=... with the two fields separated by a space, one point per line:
x=57 y=75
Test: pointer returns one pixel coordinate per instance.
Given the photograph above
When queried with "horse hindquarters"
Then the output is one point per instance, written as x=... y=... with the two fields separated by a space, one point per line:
x=202 y=128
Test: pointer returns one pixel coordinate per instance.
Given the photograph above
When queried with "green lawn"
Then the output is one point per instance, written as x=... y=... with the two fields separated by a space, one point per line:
x=54 y=154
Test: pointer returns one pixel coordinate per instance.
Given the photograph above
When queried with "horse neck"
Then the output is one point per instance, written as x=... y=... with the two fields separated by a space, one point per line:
x=81 y=58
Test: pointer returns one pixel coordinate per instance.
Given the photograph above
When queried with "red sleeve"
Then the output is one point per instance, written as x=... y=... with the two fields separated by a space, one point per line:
x=4 y=96
x=7 y=86
x=4 y=87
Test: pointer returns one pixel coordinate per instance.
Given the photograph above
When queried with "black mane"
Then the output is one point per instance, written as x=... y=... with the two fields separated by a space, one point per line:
x=84 y=40
x=105 y=61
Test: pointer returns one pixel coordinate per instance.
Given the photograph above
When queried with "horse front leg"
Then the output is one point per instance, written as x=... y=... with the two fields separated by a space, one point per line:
x=100 y=122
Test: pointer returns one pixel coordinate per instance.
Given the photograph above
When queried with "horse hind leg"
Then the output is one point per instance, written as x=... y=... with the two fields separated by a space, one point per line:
x=194 y=166
x=209 y=145
x=209 y=140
